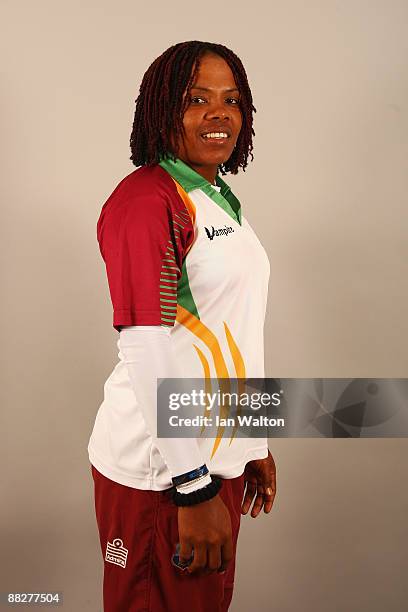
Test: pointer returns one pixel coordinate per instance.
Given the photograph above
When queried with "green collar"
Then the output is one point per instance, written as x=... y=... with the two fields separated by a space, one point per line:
x=189 y=179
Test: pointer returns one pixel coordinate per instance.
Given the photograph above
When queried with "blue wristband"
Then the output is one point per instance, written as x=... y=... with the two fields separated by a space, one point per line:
x=189 y=476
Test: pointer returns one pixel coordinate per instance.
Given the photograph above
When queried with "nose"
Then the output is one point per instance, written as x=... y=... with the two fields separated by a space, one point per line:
x=217 y=110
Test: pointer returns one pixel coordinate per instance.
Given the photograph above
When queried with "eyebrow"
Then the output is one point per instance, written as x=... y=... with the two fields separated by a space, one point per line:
x=210 y=89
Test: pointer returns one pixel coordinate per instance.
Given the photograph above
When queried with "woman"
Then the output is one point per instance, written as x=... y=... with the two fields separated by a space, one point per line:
x=188 y=281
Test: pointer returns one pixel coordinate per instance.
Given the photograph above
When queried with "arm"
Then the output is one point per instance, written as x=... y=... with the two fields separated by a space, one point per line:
x=206 y=526
x=144 y=236
x=148 y=355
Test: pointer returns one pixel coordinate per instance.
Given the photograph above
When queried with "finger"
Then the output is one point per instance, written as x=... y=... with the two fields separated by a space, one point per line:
x=269 y=496
x=249 y=495
x=227 y=553
x=214 y=557
x=200 y=559
x=186 y=549
x=258 y=503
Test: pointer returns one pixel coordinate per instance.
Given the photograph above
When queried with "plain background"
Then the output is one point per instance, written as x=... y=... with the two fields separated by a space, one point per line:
x=327 y=196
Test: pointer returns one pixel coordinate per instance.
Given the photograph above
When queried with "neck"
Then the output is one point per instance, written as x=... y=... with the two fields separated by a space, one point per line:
x=208 y=172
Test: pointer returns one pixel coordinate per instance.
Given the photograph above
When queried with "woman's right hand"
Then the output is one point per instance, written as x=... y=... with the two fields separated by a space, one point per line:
x=206 y=527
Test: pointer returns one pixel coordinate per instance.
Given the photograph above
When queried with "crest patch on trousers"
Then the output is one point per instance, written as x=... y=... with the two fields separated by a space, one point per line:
x=116 y=553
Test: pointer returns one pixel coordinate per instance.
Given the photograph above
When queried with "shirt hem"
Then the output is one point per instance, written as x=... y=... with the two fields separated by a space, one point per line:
x=149 y=483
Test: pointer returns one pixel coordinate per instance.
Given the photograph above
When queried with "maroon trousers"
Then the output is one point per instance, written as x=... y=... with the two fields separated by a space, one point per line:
x=138 y=533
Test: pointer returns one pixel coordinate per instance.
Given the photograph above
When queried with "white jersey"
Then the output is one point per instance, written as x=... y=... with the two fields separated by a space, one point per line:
x=212 y=275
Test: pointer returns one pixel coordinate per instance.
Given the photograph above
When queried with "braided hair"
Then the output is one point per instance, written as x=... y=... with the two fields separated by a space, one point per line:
x=160 y=106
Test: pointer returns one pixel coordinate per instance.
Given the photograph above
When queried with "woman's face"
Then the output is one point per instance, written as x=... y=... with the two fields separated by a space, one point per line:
x=213 y=108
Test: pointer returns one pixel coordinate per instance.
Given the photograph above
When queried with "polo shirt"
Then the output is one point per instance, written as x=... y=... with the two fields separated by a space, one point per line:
x=179 y=253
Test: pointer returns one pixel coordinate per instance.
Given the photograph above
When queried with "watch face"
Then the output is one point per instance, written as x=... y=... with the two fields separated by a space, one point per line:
x=176 y=559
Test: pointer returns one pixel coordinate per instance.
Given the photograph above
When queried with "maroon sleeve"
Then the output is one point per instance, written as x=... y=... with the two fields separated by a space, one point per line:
x=143 y=238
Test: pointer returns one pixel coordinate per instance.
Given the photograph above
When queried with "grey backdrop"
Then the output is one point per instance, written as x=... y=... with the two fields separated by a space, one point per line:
x=327 y=195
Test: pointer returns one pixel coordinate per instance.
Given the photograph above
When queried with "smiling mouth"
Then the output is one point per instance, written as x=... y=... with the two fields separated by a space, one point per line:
x=220 y=137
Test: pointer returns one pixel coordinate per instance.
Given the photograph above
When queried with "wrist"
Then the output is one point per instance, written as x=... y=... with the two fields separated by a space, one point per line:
x=200 y=495
x=194 y=485
x=192 y=475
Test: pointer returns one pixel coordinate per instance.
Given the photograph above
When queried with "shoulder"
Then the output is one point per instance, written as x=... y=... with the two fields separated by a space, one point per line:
x=148 y=182
x=146 y=195
x=148 y=190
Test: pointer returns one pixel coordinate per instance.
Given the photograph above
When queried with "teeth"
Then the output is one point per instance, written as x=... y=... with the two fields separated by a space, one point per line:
x=216 y=135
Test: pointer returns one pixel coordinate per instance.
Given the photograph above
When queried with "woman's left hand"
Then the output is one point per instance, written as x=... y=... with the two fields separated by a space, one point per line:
x=260 y=480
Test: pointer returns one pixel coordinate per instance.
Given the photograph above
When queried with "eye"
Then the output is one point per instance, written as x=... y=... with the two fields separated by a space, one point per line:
x=193 y=98
x=234 y=100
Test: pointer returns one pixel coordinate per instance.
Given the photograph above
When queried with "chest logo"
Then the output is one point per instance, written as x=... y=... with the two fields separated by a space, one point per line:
x=222 y=231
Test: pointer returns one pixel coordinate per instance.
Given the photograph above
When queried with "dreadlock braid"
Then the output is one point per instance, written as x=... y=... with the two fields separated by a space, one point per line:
x=160 y=106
